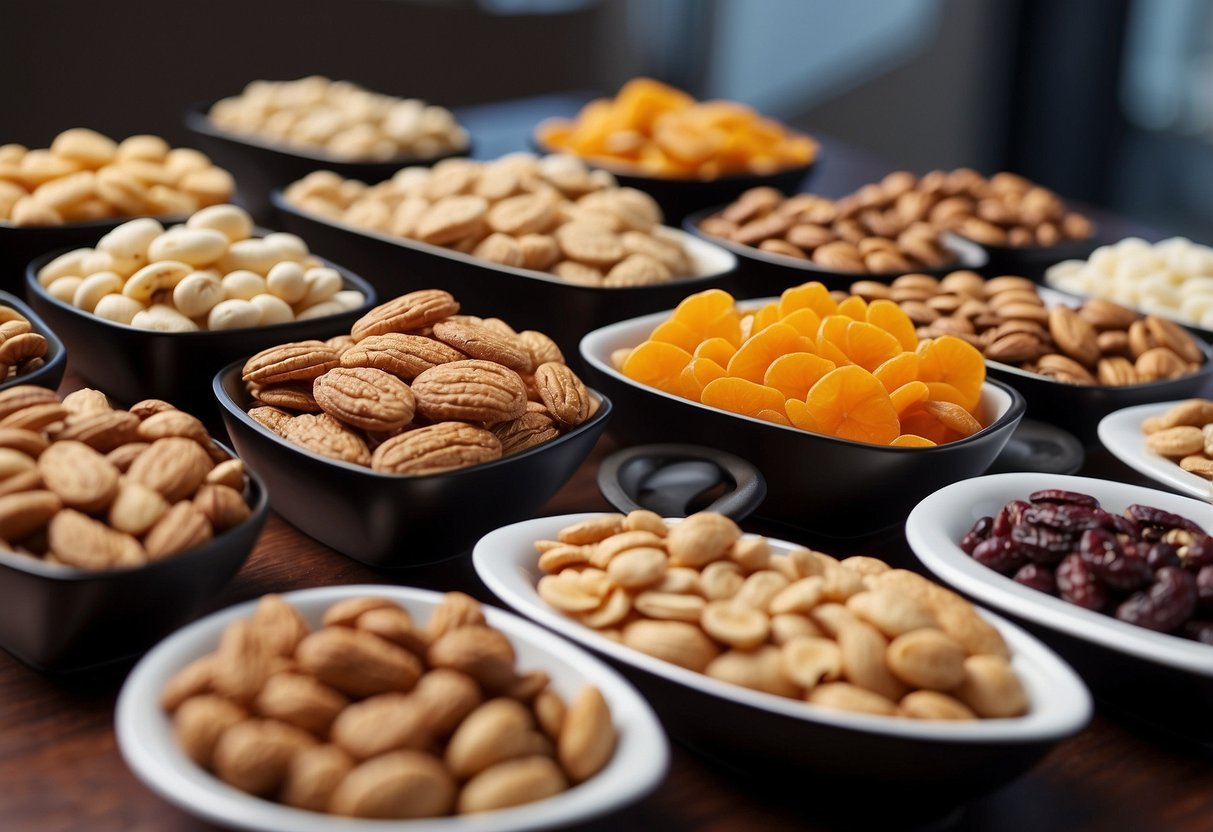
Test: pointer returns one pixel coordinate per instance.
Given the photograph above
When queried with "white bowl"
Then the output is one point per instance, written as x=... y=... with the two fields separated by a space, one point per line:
x=936 y=526
x=147 y=744
x=1120 y=433
x=941 y=762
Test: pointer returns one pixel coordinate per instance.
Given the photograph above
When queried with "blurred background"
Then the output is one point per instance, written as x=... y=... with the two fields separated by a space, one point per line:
x=1109 y=102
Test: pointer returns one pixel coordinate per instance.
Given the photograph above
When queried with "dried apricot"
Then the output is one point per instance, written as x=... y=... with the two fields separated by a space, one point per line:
x=718 y=349
x=911 y=440
x=756 y=354
x=956 y=362
x=889 y=316
x=908 y=395
x=813 y=296
x=698 y=374
x=741 y=396
x=795 y=373
x=657 y=364
x=850 y=403
x=898 y=370
x=677 y=333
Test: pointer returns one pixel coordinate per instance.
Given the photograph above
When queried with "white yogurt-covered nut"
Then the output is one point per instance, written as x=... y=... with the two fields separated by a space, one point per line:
x=231 y=221
x=320 y=310
x=349 y=298
x=233 y=314
x=156 y=277
x=64 y=288
x=286 y=281
x=243 y=284
x=163 y=318
x=128 y=244
x=274 y=310
x=62 y=266
x=198 y=293
x=288 y=246
x=196 y=246
x=94 y=287
x=118 y=308
x=322 y=284
x=253 y=254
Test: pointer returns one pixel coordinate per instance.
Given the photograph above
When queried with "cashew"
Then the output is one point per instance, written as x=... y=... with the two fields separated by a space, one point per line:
x=118 y=308
x=196 y=246
x=128 y=244
x=286 y=280
x=163 y=318
x=230 y=220
x=274 y=310
x=288 y=246
x=253 y=254
x=154 y=278
x=243 y=284
x=94 y=287
x=233 y=314
x=62 y=266
x=64 y=288
x=197 y=294
x=322 y=284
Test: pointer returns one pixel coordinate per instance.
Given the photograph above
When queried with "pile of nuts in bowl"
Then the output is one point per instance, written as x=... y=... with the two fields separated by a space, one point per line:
x=207 y=274
x=416 y=388
x=852 y=635
x=1147 y=566
x=1172 y=278
x=85 y=176
x=1099 y=342
x=1184 y=434
x=375 y=715
x=549 y=214
x=88 y=486
x=341 y=120
x=21 y=349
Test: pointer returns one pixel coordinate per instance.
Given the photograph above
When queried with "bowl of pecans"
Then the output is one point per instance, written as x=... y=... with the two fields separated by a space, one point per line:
x=34 y=354
x=753 y=649
x=422 y=424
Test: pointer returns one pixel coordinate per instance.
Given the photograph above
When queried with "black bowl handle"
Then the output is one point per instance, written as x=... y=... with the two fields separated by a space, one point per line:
x=671 y=475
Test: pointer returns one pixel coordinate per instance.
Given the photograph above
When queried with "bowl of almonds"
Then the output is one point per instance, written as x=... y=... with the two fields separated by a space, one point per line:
x=757 y=649
x=155 y=311
x=131 y=520
x=34 y=354
x=421 y=425
x=344 y=707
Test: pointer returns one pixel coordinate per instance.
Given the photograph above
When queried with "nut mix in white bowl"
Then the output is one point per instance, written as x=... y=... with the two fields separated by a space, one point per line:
x=375 y=715
x=89 y=486
x=1173 y=278
x=550 y=214
x=416 y=389
x=340 y=119
x=851 y=635
x=85 y=175
x=208 y=274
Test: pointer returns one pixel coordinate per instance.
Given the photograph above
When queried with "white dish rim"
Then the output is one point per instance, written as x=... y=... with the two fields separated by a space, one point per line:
x=1120 y=432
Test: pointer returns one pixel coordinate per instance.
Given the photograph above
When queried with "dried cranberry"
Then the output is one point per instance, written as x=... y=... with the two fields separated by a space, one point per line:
x=1000 y=554
x=1123 y=525
x=979 y=532
x=1009 y=515
x=1097 y=545
x=1058 y=495
x=1161 y=555
x=1199 y=553
x=1204 y=588
x=1041 y=544
x=1202 y=631
x=1038 y=577
x=1167 y=604
x=1158 y=517
x=1076 y=583
x=1069 y=518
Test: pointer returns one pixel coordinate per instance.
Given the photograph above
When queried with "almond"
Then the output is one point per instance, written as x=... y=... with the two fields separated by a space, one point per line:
x=224 y=507
x=80 y=476
x=26 y=512
x=254 y=755
x=174 y=466
x=183 y=527
x=300 y=700
x=199 y=723
x=136 y=508
x=402 y=784
x=481 y=652
x=1014 y=348
x=358 y=663
x=313 y=775
x=1074 y=336
x=500 y=729
x=78 y=540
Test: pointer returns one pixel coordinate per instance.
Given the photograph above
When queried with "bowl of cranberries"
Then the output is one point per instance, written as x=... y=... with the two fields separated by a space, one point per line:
x=1117 y=577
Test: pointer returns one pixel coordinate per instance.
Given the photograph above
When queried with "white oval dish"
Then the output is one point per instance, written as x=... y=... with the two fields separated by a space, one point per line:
x=1120 y=433
x=145 y=737
x=937 y=524
x=507 y=562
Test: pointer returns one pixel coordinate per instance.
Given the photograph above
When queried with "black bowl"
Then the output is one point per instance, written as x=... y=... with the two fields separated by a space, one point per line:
x=261 y=165
x=130 y=364
x=58 y=618
x=1032 y=261
x=21 y=244
x=833 y=486
x=524 y=298
x=762 y=274
x=54 y=362
x=390 y=521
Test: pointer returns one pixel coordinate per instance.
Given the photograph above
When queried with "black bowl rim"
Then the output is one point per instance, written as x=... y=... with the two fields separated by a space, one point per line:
x=39 y=326
x=1035 y=252
x=1014 y=412
x=260 y=510
x=231 y=406
x=107 y=223
x=970 y=255
x=729 y=178
x=351 y=280
x=279 y=201
x=197 y=118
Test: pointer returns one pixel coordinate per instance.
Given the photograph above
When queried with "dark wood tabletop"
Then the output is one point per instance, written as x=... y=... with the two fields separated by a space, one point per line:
x=60 y=768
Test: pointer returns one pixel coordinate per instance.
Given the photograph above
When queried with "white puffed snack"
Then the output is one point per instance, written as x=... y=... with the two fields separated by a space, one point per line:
x=198 y=247
x=198 y=293
x=349 y=298
x=128 y=244
x=163 y=318
x=274 y=310
x=118 y=308
x=93 y=288
x=286 y=281
x=253 y=255
x=156 y=277
x=62 y=266
x=288 y=246
x=64 y=288
x=233 y=314
x=322 y=284
x=232 y=221
x=243 y=284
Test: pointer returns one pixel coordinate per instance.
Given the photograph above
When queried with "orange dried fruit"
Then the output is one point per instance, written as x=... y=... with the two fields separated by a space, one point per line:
x=677 y=333
x=867 y=345
x=710 y=314
x=799 y=416
x=941 y=391
x=954 y=417
x=912 y=440
x=898 y=370
x=718 y=349
x=813 y=296
x=794 y=374
x=908 y=395
x=956 y=362
x=765 y=316
x=774 y=416
x=806 y=321
x=854 y=307
x=756 y=354
x=924 y=424
x=741 y=396
x=889 y=316
x=657 y=364
x=698 y=374
x=850 y=403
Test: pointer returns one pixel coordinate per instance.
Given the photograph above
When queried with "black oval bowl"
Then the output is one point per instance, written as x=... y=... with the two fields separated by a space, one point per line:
x=58 y=618
x=763 y=273
x=261 y=165
x=836 y=487
x=524 y=298
x=679 y=197
x=54 y=362
x=21 y=244
x=130 y=364
x=1033 y=261
x=390 y=521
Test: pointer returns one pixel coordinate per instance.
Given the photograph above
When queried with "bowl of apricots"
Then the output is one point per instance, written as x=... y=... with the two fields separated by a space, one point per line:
x=849 y=415
x=686 y=154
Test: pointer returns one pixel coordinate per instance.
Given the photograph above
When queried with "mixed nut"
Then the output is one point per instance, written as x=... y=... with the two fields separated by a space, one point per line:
x=852 y=635
x=88 y=486
x=1098 y=342
x=1147 y=566
x=1184 y=434
x=374 y=715
x=549 y=214
x=416 y=388
x=21 y=349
